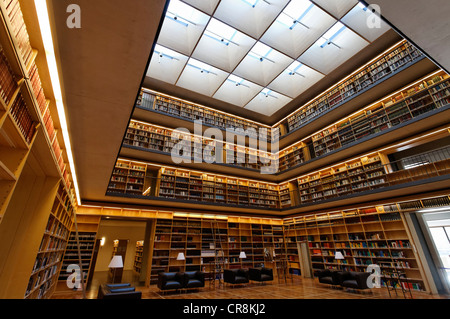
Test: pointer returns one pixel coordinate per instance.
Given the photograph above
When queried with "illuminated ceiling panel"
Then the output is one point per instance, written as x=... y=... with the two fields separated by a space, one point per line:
x=238 y=50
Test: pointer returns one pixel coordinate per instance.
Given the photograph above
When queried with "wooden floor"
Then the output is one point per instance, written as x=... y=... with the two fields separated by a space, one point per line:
x=295 y=288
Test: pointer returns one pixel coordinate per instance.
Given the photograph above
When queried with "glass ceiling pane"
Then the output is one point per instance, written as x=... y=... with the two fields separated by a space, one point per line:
x=166 y=65
x=294 y=12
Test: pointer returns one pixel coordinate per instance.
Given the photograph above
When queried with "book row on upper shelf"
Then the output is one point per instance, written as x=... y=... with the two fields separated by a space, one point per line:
x=389 y=62
x=347 y=178
x=21 y=90
x=418 y=99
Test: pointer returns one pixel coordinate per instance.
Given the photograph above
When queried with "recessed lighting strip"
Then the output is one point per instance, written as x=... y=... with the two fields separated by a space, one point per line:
x=46 y=34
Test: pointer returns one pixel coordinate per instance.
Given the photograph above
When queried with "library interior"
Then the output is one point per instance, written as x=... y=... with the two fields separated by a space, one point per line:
x=222 y=149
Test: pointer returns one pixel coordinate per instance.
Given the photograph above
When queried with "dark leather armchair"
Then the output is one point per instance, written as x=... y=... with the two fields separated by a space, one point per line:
x=170 y=280
x=194 y=279
x=235 y=276
x=118 y=291
x=355 y=280
x=260 y=274
x=329 y=277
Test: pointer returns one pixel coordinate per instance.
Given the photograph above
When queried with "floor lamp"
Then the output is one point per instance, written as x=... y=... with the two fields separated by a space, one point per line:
x=338 y=256
x=116 y=262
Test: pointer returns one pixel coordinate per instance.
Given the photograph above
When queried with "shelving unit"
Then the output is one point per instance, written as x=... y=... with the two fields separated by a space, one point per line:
x=422 y=97
x=198 y=239
x=189 y=185
x=87 y=232
x=44 y=274
x=361 y=174
x=370 y=235
x=24 y=108
x=367 y=76
x=161 y=139
x=173 y=106
x=138 y=256
x=354 y=176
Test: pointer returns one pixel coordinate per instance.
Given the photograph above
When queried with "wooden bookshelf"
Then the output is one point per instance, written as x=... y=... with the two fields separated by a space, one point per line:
x=24 y=107
x=48 y=263
x=87 y=233
x=202 y=239
x=425 y=95
x=370 y=235
x=137 y=265
x=369 y=75
x=189 y=146
x=188 y=185
x=129 y=177
x=416 y=99
x=186 y=110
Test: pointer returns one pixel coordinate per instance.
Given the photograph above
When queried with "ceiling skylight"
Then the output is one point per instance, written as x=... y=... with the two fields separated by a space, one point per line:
x=293 y=14
x=221 y=32
x=257 y=54
x=328 y=37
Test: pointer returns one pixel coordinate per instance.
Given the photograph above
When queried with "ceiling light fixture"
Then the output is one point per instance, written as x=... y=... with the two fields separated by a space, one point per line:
x=46 y=34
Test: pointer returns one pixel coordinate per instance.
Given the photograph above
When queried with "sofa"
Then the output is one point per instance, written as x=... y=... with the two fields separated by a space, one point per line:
x=180 y=280
x=170 y=280
x=235 y=276
x=328 y=277
x=193 y=279
x=354 y=280
x=118 y=291
x=261 y=274
x=345 y=279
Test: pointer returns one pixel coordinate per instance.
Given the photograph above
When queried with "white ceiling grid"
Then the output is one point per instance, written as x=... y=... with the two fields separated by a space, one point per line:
x=257 y=54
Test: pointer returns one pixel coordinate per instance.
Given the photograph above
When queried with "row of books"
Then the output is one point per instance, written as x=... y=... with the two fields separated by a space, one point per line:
x=8 y=83
x=386 y=65
x=23 y=118
x=19 y=29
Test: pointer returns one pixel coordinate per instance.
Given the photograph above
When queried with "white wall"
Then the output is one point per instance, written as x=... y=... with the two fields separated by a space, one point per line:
x=113 y=229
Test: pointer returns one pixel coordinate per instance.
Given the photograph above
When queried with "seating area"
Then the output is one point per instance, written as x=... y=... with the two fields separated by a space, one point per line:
x=344 y=279
x=180 y=280
x=261 y=274
x=243 y=276
x=118 y=291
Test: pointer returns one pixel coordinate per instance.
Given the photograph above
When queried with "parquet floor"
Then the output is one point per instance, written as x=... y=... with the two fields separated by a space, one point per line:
x=295 y=288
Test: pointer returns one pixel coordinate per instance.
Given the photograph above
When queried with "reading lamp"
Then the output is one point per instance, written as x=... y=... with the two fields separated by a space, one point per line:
x=180 y=256
x=116 y=262
x=242 y=255
x=338 y=256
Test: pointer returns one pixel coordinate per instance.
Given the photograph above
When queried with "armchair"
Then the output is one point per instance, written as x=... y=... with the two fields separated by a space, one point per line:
x=194 y=279
x=260 y=274
x=170 y=280
x=355 y=280
x=329 y=277
x=235 y=276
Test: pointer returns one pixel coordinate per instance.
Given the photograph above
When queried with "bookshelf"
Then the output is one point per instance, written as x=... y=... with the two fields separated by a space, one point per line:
x=365 y=173
x=417 y=99
x=138 y=256
x=369 y=75
x=24 y=106
x=48 y=263
x=169 y=105
x=369 y=235
x=87 y=233
x=189 y=185
x=129 y=178
x=161 y=139
x=201 y=239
